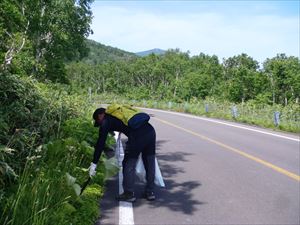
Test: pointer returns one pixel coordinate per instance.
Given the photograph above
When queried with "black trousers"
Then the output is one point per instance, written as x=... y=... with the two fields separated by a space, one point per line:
x=140 y=141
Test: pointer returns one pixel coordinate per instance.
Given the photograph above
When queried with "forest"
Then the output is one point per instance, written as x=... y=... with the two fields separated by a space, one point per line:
x=52 y=77
x=179 y=77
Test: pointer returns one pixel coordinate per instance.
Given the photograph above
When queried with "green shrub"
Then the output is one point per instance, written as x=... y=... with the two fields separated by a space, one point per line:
x=43 y=190
x=44 y=134
x=81 y=129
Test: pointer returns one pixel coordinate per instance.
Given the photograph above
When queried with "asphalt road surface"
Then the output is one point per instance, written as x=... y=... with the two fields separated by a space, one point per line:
x=217 y=172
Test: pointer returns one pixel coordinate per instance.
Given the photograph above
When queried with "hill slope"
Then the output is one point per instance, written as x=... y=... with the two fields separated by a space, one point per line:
x=155 y=51
x=100 y=53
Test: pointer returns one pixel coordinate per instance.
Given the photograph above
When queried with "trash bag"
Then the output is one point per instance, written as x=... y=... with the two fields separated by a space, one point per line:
x=111 y=167
x=140 y=169
x=141 y=172
x=159 y=181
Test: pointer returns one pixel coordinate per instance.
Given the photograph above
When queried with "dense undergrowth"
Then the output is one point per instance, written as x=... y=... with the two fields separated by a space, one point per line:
x=46 y=139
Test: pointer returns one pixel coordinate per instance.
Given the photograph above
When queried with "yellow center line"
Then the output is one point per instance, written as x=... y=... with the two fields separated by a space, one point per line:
x=258 y=160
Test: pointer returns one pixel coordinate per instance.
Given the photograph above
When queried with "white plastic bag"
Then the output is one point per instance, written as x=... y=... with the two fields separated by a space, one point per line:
x=158 y=177
x=111 y=167
x=119 y=151
x=141 y=173
x=140 y=169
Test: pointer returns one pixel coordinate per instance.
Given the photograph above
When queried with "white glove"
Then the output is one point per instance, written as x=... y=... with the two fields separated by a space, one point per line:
x=92 y=169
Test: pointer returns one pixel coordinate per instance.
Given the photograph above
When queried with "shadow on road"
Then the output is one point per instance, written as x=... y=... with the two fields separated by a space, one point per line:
x=177 y=196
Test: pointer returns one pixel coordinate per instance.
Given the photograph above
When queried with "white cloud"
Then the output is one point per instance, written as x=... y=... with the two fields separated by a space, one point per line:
x=260 y=36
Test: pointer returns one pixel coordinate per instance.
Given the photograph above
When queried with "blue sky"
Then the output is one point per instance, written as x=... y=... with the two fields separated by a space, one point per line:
x=223 y=28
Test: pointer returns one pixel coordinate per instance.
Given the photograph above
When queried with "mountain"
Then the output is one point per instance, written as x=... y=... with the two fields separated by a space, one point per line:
x=100 y=53
x=155 y=51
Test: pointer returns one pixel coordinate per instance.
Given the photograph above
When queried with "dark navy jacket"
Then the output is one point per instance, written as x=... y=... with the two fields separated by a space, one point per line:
x=109 y=124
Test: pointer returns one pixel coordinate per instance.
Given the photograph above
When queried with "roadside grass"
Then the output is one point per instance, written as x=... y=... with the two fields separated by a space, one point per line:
x=46 y=146
x=47 y=191
x=248 y=113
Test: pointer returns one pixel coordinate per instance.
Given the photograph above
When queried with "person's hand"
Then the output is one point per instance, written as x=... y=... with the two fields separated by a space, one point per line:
x=92 y=169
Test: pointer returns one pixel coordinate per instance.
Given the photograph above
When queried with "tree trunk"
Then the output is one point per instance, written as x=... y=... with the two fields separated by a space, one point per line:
x=273 y=88
x=176 y=79
x=14 y=49
x=103 y=85
x=39 y=51
x=285 y=101
x=11 y=53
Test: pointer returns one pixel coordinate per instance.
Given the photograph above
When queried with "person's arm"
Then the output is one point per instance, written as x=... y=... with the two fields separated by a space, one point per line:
x=103 y=132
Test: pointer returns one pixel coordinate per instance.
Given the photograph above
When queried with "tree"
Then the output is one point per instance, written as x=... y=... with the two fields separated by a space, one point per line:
x=196 y=84
x=58 y=31
x=211 y=73
x=284 y=75
x=13 y=30
x=174 y=64
x=240 y=73
x=55 y=31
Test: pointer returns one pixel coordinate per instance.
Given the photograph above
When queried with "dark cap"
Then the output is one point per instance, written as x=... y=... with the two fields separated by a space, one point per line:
x=95 y=115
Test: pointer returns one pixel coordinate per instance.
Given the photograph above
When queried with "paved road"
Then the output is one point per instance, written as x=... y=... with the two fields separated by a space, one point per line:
x=217 y=174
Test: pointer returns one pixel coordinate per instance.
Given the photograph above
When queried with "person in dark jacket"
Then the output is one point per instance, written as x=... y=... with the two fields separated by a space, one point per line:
x=140 y=140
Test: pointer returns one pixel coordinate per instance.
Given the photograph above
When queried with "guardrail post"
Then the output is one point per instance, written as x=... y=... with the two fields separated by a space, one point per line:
x=234 y=112
x=206 y=108
x=276 y=118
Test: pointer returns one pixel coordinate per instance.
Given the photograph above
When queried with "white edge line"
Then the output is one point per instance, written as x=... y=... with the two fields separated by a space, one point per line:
x=227 y=124
x=125 y=208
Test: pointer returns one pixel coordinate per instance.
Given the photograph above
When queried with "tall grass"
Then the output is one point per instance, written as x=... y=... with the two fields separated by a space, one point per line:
x=43 y=194
x=47 y=133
